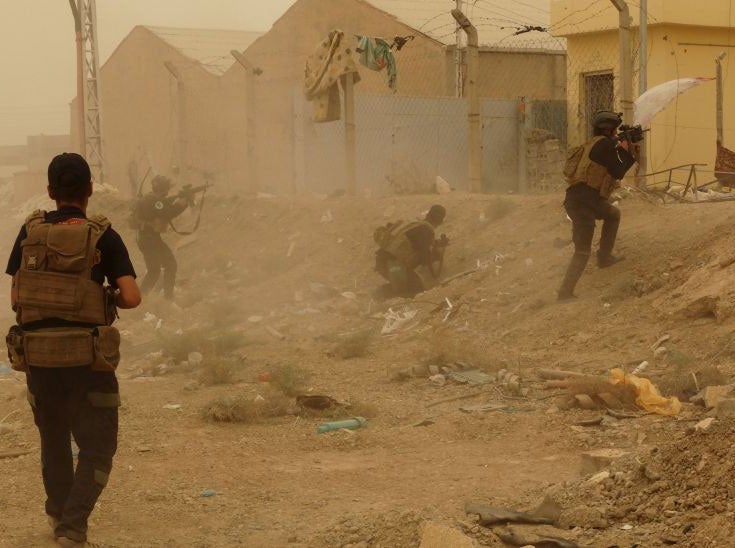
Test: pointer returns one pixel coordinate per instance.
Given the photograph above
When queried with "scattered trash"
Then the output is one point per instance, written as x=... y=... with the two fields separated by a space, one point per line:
x=425 y=422
x=195 y=358
x=438 y=379
x=327 y=217
x=626 y=527
x=648 y=396
x=396 y=321
x=512 y=538
x=473 y=377
x=208 y=493
x=704 y=425
x=265 y=376
x=442 y=186
x=660 y=352
x=529 y=262
x=512 y=382
x=172 y=406
x=148 y=317
x=490 y=515
x=291 y=248
x=641 y=368
x=255 y=319
x=349 y=424
x=349 y=295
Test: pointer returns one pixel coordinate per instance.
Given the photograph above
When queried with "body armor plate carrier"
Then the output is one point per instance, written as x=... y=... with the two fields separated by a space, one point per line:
x=55 y=282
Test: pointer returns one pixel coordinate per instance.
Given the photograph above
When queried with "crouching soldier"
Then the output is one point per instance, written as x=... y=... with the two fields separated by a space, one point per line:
x=65 y=342
x=406 y=248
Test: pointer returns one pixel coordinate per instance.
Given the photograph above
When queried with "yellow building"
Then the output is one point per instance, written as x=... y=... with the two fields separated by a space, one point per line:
x=683 y=40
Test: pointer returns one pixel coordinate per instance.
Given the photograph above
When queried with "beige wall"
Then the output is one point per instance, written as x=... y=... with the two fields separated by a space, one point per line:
x=509 y=75
x=570 y=17
x=141 y=102
x=686 y=131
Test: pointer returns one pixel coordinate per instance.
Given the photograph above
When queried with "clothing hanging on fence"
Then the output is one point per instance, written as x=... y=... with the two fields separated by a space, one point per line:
x=331 y=61
x=376 y=54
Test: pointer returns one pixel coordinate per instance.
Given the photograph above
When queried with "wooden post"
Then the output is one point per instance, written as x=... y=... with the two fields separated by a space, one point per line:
x=626 y=60
x=350 y=137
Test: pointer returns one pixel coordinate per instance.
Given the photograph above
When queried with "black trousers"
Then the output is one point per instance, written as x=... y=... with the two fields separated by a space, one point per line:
x=84 y=403
x=584 y=205
x=157 y=256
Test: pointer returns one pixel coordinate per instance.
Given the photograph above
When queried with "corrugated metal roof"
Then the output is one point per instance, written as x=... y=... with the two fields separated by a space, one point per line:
x=210 y=48
x=496 y=20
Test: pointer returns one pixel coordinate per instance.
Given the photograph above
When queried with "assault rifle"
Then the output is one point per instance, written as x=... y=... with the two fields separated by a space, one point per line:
x=632 y=134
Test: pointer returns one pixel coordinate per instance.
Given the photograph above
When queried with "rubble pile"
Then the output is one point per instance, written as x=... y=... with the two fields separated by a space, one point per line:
x=678 y=493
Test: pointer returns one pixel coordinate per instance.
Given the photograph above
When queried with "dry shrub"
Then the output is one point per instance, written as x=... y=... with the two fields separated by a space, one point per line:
x=206 y=341
x=246 y=409
x=219 y=371
x=354 y=345
x=289 y=379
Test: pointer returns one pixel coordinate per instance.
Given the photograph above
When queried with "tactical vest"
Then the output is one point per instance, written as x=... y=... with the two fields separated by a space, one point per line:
x=55 y=276
x=399 y=245
x=55 y=282
x=591 y=173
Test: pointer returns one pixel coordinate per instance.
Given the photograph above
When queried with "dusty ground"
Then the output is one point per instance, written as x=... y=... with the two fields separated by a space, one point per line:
x=304 y=269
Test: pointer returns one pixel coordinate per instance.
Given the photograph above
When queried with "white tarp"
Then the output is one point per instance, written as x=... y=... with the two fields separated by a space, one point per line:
x=653 y=101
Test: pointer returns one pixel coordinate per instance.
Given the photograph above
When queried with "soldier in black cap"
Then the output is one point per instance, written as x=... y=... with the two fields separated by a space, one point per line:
x=154 y=213
x=70 y=273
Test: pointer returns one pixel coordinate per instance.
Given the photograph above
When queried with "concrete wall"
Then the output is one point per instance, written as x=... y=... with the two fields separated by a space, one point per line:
x=425 y=69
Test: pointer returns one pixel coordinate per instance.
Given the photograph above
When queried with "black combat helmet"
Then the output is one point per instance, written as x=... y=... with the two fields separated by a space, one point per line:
x=606 y=119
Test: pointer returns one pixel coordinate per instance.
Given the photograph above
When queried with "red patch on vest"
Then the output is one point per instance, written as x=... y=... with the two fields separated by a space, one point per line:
x=72 y=221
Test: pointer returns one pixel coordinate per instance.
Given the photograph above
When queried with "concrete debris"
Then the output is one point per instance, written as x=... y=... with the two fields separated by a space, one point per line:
x=704 y=425
x=600 y=459
x=725 y=408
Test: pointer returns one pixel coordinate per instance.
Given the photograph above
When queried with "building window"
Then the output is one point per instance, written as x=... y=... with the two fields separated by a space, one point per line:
x=599 y=94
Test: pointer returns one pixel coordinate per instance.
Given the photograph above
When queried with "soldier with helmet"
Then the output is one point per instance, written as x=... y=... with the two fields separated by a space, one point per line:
x=154 y=213
x=593 y=172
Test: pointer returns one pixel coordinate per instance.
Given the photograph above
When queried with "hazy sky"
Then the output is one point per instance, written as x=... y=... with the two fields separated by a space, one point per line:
x=37 y=49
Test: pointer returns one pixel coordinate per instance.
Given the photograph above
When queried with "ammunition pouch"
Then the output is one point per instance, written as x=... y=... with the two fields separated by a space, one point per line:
x=98 y=348
x=16 y=355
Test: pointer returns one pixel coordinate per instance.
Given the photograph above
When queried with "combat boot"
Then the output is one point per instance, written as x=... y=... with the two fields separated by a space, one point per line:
x=608 y=259
x=574 y=273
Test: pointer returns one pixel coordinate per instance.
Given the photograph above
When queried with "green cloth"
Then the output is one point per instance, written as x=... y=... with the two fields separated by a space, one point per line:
x=375 y=54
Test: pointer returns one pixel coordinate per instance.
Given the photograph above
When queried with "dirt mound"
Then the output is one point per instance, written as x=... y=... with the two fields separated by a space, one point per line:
x=383 y=530
x=676 y=493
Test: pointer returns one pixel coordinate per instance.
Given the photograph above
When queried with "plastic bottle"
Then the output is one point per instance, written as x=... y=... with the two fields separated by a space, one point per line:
x=350 y=424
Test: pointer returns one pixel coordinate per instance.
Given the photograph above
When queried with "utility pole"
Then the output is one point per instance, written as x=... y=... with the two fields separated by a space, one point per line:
x=643 y=84
x=626 y=60
x=458 y=77
x=88 y=85
x=473 y=102
x=250 y=132
x=181 y=152
x=79 y=114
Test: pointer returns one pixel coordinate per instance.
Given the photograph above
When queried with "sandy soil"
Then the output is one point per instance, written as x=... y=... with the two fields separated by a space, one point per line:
x=269 y=267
